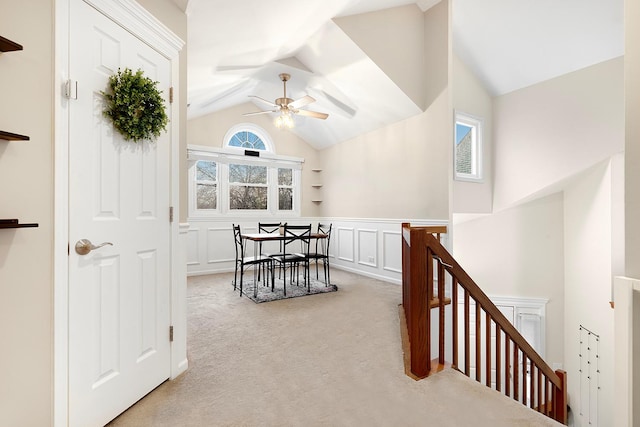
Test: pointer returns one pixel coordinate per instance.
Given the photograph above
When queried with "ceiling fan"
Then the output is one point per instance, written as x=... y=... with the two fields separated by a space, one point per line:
x=287 y=106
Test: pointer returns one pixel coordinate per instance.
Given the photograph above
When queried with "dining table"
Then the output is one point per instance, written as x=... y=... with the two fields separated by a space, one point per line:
x=271 y=237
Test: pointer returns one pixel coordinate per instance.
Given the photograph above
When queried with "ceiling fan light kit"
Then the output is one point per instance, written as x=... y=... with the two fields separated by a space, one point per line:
x=287 y=107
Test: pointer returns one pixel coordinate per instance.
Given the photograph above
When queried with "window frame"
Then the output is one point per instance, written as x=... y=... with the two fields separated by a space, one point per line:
x=477 y=125
x=232 y=155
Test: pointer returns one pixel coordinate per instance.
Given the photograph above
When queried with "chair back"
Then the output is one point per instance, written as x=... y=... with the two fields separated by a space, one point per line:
x=297 y=233
x=271 y=228
x=324 y=229
x=237 y=234
x=268 y=227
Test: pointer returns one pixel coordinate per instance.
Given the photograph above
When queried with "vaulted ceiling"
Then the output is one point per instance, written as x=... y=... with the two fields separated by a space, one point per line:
x=238 y=49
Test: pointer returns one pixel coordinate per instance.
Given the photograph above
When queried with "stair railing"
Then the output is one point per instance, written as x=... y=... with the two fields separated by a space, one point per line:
x=510 y=365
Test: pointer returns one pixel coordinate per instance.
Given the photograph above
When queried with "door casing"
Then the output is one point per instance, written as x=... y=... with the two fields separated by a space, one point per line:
x=137 y=20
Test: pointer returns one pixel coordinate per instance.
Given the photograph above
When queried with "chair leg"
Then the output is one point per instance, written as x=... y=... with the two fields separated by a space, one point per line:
x=235 y=277
x=284 y=280
x=241 y=277
x=273 y=276
x=328 y=272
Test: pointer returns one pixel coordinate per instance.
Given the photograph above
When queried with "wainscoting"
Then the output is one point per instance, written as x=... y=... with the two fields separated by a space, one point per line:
x=371 y=247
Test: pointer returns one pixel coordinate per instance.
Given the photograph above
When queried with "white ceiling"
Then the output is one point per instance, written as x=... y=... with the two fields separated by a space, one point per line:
x=238 y=48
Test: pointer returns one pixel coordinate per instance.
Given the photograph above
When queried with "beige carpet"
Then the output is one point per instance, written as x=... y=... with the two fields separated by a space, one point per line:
x=323 y=360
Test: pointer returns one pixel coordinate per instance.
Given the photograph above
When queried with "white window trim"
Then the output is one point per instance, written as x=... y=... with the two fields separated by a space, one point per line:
x=478 y=124
x=232 y=155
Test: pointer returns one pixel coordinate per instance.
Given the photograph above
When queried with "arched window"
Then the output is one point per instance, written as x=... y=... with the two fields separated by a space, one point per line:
x=248 y=136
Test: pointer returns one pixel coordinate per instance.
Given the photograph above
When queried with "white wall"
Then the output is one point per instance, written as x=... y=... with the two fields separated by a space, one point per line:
x=470 y=96
x=395 y=172
x=632 y=136
x=551 y=131
x=26 y=193
x=518 y=252
x=591 y=202
x=394 y=40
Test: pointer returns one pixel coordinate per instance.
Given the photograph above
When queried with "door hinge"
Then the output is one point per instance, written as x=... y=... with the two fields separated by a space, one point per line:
x=171 y=95
x=170 y=213
x=170 y=333
x=71 y=89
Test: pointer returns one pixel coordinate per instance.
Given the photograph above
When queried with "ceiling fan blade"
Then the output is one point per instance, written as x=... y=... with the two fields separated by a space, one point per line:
x=305 y=100
x=263 y=100
x=259 y=112
x=313 y=114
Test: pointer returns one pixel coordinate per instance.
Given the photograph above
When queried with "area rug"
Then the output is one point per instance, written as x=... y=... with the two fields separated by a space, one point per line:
x=294 y=290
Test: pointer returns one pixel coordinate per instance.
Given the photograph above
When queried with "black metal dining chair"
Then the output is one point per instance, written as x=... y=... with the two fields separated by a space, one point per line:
x=270 y=228
x=295 y=252
x=242 y=262
x=322 y=252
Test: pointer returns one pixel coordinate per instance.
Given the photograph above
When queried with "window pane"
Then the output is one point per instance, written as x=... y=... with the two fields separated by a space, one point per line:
x=245 y=197
x=206 y=171
x=285 y=176
x=207 y=197
x=464 y=148
x=245 y=174
x=247 y=139
x=285 y=199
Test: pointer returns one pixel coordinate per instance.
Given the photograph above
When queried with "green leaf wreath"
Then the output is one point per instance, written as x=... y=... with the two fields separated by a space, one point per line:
x=135 y=106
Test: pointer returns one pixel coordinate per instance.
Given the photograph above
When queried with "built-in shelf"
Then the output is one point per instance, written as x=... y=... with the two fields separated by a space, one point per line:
x=14 y=223
x=8 y=136
x=317 y=201
x=316 y=170
x=316 y=185
x=7 y=45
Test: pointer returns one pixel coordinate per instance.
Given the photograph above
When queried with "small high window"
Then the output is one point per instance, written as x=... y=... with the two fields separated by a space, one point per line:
x=468 y=148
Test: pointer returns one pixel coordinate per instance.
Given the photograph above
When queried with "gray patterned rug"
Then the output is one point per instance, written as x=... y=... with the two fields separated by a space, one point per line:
x=294 y=290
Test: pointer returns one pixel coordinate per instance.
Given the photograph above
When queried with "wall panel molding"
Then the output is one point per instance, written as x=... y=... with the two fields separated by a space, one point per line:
x=354 y=242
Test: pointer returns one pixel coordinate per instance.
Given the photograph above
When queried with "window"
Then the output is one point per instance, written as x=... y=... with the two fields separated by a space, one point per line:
x=285 y=189
x=248 y=187
x=468 y=148
x=248 y=136
x=206 y=185
x=228 y=181
x=246 y=139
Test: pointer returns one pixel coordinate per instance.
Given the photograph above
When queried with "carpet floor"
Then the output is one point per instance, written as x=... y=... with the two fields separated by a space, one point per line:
x=333 y=359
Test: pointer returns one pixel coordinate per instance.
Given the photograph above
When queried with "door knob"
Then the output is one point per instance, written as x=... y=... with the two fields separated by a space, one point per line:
x=84 y=246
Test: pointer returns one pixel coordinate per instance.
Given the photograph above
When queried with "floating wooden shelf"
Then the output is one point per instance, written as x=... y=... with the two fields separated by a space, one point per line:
x=316 y=170
x=8 y=136
x=317 y=201
x=7 y=45
x=316 y=185
x=14 y=223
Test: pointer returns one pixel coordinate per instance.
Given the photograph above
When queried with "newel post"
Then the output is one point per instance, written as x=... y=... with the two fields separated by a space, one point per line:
x=560 y=401
x=415 y=299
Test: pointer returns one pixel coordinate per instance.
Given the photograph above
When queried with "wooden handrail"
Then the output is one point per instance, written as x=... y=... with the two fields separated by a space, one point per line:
x=420 y=251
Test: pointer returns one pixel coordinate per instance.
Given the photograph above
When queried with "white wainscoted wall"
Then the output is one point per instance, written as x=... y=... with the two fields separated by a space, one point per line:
x=371 y=247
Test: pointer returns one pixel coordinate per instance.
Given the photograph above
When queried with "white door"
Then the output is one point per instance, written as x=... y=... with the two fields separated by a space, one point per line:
x=119 y=308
